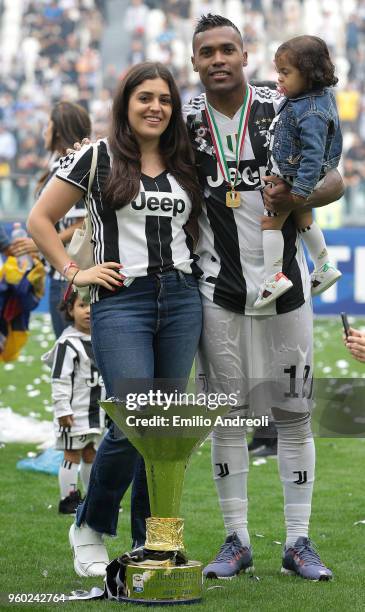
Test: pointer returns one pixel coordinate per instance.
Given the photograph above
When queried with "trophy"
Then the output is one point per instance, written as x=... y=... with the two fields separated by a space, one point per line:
x=160 y=573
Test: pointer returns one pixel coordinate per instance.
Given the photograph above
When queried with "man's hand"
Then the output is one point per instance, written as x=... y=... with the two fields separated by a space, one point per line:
x=277 y=196
x=66 y=421
x=78 y=145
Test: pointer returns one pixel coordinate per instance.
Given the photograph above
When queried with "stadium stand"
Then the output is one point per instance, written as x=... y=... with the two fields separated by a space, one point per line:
x=77 y=50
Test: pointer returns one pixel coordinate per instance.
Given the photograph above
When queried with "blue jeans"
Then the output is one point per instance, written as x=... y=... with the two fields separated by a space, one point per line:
x=149 y=330
x=57 y=289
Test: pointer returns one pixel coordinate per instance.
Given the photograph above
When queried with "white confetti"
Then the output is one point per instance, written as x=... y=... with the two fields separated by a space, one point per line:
x=260 y=461
x=44 y=344
x=327 y=370
x=11 y=388
x=45 y=573
x=37 y=381
x=259 y=535
x=342 y=364
x=33 y=393
x=31 y=454
x=216 y=586
x=18 y=428
x=9 y=366
x=276 y=542
x=29 y=387
x=360 y=522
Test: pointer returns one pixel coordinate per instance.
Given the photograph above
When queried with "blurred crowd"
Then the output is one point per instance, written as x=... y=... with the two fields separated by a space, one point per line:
x=59 y=56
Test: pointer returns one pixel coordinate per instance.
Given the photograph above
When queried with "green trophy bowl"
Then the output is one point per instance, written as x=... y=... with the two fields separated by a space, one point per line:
x=166 y=439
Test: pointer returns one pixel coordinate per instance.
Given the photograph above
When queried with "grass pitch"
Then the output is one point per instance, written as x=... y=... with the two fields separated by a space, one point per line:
x=34 y=553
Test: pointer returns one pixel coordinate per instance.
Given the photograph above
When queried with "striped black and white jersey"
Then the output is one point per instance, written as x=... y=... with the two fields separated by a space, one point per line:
x=230 y=243
x=76 y=213
x=147 y=235
x=77 y=385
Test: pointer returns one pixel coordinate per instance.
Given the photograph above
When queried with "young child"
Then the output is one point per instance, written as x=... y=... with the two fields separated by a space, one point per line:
x=305 y=143
x=76 y=389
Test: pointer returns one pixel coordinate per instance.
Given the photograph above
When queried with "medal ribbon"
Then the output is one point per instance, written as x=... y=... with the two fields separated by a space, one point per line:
x=217 y=141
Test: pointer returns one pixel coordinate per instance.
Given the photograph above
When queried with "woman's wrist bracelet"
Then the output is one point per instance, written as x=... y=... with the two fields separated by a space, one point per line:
x=68 y=266
x=73 y=278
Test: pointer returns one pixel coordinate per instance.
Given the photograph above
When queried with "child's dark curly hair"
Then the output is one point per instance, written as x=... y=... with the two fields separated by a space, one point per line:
x=310 y=55
x=65 y=306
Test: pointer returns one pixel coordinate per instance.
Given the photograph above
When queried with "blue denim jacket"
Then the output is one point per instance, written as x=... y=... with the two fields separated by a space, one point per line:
x=307 y=139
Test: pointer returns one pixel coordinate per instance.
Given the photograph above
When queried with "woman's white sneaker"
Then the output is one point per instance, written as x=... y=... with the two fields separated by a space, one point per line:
x=90 y=555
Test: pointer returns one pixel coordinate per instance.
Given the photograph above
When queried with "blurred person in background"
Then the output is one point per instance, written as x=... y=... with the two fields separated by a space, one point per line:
x=5 y=248
x=68 y=123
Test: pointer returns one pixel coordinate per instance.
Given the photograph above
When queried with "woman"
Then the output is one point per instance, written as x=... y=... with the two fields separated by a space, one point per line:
x=67 y=124
x=144 y=193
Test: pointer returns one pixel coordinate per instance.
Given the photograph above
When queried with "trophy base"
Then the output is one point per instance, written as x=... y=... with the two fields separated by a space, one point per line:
x=154 y=583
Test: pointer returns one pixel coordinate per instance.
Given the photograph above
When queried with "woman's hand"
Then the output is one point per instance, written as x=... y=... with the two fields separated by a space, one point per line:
x=107 y=275
x=66 y=421
x=355 y=342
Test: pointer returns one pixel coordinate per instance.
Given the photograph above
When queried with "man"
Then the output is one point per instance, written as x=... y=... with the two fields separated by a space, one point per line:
x=229 y=124
x=229 y=286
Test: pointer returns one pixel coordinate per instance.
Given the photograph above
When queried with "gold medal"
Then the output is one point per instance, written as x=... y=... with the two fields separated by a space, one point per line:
x=233 y=199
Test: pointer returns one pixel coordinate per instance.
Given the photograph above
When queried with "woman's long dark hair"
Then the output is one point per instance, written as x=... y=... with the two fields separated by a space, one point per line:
x=71 y=123
x=124 y=180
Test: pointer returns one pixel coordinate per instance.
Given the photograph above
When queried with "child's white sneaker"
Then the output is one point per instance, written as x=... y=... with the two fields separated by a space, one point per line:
x=272 y=288
x=324 y=277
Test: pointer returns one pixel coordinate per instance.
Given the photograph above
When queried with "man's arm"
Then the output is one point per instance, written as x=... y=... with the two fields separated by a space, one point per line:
x=278 y=198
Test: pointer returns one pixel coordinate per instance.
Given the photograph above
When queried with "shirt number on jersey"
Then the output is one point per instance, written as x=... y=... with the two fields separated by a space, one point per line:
x=304 y=386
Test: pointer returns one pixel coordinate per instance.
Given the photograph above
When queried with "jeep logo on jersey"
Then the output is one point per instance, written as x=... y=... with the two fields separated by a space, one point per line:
x=161 y=204
x=246 y=175
x=95 y=380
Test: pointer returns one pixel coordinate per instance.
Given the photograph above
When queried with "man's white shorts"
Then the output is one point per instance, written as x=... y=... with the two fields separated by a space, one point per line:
x=266 y=360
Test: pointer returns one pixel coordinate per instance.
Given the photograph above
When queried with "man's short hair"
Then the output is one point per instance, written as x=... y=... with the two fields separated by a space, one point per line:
x=210 y=21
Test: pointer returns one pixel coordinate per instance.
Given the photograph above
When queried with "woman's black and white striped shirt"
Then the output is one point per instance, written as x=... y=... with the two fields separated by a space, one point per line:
x=147 y=235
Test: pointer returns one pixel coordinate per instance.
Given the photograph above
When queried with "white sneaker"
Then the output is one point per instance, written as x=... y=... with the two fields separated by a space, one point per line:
x=272 y=288
x=324 y=277
x=90 y=554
